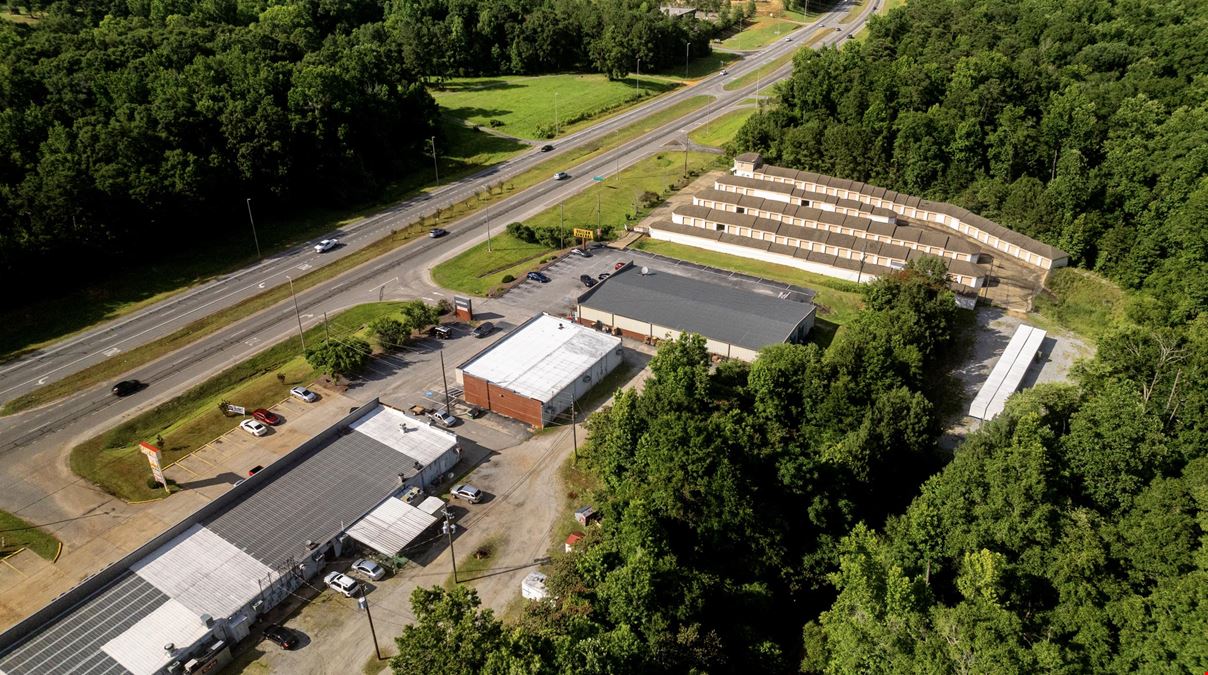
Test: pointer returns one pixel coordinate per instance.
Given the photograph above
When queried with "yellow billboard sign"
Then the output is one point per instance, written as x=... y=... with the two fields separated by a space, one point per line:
x=584 y=234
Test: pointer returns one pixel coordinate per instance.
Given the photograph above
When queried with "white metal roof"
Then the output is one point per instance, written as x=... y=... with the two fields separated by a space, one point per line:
x=1007 y=373
x=140 y=648
x=395 y=429
x=432 y=505
x=392 y=526
x=542 y=357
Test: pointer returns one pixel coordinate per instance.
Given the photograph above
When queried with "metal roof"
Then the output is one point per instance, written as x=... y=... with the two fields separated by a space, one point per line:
x=1007 y=373
x=541 y=357
x=392 y=526
x=722 y=313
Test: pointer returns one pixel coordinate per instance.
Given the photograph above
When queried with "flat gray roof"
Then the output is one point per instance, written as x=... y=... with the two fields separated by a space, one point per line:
x=722 y=313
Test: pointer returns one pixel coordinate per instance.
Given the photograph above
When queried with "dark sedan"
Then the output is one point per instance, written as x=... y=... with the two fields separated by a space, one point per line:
x=281 y=636
x=126 y=387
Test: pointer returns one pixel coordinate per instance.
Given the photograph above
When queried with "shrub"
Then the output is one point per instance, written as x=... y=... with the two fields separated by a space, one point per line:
x=507 y=279
x=494 y=124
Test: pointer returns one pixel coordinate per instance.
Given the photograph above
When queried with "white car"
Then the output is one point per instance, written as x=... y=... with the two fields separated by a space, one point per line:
x=304 y=394
x=467 y=492
x=253 y=427
x=561 y=175
x=326 y=245
x=369 y=569
x=341 y=583
x=443 y=418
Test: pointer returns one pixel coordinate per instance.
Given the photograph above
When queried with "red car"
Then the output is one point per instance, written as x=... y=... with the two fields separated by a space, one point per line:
x=618 y=266
x=267 y=417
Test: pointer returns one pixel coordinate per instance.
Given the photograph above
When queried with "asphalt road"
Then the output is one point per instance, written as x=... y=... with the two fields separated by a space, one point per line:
x=401 y=274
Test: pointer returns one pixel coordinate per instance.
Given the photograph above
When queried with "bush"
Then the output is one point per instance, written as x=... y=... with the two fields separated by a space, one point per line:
x=390 y=333
x=345 y=357
x=507 y=279
x=494 y=124
x=444 y=306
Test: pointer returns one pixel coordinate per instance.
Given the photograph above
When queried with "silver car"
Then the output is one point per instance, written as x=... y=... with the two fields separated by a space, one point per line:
x=304 y=394
x=369 y=569
x=467 y=492
x=443 y=418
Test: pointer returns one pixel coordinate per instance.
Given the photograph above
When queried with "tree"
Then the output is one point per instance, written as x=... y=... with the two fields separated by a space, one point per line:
x=338 y=358
x=391 y=333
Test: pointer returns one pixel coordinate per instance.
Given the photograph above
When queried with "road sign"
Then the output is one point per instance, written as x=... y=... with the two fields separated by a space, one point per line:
x=584 y=234
x=236 y=409
x=152 y=454
x=598 y=179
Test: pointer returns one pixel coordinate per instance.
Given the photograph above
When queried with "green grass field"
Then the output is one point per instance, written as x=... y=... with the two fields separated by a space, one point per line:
x=720 y=131
x=852 y=13
x=478 y=270
x=16 y=533
x=525 y=105
x=112 y=461
x=763 y=32
x=1081 y=301
x=837 y=300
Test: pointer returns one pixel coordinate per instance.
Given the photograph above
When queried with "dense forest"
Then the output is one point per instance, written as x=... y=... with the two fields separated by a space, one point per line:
x=1081 y=123
x=122 y=121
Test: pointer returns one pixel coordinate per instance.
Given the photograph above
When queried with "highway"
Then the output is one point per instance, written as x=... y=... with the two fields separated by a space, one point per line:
x=44 y=436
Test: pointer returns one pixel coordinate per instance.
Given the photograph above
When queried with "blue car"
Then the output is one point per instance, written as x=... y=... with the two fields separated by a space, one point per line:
x=538 y=276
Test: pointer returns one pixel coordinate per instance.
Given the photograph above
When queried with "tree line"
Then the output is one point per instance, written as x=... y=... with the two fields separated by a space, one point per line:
x=1076 y=123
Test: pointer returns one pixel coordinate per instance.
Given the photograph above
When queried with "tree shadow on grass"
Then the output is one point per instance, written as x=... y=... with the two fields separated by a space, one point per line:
x=476 y=85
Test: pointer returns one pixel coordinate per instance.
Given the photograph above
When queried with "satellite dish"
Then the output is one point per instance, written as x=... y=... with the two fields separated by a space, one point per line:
x=645 y=270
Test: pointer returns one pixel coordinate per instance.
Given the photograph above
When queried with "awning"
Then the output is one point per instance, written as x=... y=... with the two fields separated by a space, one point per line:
x=391 y=527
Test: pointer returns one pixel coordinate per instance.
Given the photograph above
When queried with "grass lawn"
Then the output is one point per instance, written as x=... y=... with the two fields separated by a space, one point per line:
x=19 y=18
x=762 y=32
x=16 y=533
x=525 y=105
x=189 y=421
x=478 y=271
x=478 y=561
x=1081 y=301
x=837 y=300
x=720 y=131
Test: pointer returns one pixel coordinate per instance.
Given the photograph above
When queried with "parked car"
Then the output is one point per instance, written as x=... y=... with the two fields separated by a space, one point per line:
x=484 y=329
x=618 y=266
x=304 y=394
x=341 y=583
x=437 y=233
x=561 y=175
x=266 y=416
x=443 y=418
x=475 y=412
x=587 y=280
x=255 y=470
x=369 y=569
x=582 y=253
x=281 y=636
x=467 y=492
x=603 y=275
x=546 y=148
x=126 y=387
x=538 y=276
x=442 y=332
x=253 y=427
x=326 y=245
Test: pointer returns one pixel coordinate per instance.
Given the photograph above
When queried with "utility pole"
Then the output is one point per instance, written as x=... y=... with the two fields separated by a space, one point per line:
x=557 y=126
x=297 y=314
x=249 y=219
x=685 y=154
x=449 y=531
x=326 y=330
x=488 y=234
x=435 y=168
x=574 y=436
x=444 y=378
x=363 y=603
x=597 y=210
x=637 y=79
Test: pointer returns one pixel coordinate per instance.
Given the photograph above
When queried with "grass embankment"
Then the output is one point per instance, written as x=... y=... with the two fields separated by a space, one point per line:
x=529 y=107
x=26 y=327
x=112 y=367
x=856 y=8
x=720 y=131
x=1081 y=301
x=760 y=73
x=764 y=31
x=16 y=533
x=478 y=271
x=837 y=300
x=112 y=460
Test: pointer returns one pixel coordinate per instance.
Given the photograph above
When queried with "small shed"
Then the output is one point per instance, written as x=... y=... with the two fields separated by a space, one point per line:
x=574 y=538
x=533 y=587
x=586 y=514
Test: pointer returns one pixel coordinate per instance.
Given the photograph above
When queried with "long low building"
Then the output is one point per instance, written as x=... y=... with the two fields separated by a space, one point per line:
x=985 y=231
x=1008 y=373
x=536 y=371
x=735 y=323
x=178 y=603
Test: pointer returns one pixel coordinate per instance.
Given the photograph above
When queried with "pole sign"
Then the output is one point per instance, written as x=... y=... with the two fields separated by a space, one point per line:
x=152 y=454
x=584 y=234
x=236 y=409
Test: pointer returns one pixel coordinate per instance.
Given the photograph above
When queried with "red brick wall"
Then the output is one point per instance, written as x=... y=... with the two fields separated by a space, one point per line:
x=497 y=399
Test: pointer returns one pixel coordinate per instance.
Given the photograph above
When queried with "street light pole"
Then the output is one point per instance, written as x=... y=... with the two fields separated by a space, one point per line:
x=449 y=531
x=297 y=314
x=488 y=234
x=557 y=126
x=687 y=50
x=364 y=604
x=253 y=222
x=435 y=168
x=638 y=78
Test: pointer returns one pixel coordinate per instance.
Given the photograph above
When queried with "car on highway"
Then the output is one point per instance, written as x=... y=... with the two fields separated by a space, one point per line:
x=484 y=329
x=437 y=233
x=326 y=245
x=268 y=417
x=789 y=39
x=126 y=387
x=561 y=175
x=369 y=569
x=538 y=276
x=280 y=636
x=304 y=394
x=581 y=252
x=546 y=148
x=253 y=427
x=724 y=71
x=443 y=417
x=341 y=583
x=587 y=280
x=467 y=492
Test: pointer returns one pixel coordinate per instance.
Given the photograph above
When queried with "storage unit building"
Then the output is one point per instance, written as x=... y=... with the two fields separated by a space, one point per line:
x=1007 y=373
x=533 y=373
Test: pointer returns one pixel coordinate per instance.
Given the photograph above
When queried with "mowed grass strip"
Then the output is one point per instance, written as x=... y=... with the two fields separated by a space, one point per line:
x=721 y=130
x=838 y=300
x=479 y=271
x=112 y=460
x=17 y=533
x=763 y=32
x=760 y=73
x=1081 y=301
x=525 y=105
